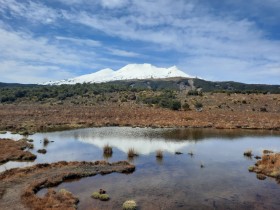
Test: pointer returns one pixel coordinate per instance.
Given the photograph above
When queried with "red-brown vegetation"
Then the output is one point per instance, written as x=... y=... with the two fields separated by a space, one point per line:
x=14 y=150
x=18 y=187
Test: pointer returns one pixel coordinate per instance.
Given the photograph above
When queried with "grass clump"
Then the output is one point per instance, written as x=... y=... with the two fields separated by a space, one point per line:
x=267 y=151
x=95 y=195
x=129 y=205
x=3 y=132
x=64 y=192
x=42 y=151
x=159 y=154
x=131 y=153
x=102 y=197
x=46 y=141
x=107 y=150
x=248 y=153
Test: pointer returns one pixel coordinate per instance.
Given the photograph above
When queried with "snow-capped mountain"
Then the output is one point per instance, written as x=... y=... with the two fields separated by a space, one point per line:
x=128 y=72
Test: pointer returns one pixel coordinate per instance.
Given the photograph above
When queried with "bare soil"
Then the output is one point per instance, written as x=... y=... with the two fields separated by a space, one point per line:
x=222 y=111
x=18 y=187
x=269 y=165
x=14 y=151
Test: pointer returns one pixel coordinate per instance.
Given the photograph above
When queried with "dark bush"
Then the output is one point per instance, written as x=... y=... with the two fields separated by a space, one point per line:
x=176 y=105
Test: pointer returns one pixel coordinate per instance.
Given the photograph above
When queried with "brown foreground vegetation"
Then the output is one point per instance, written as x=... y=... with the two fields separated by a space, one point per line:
x=220 y=110
x=18 y=187
x=14 y=150
x=269 y=165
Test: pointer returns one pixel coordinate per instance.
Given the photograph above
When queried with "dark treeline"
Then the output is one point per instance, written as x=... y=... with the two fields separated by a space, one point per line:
x=61 y=92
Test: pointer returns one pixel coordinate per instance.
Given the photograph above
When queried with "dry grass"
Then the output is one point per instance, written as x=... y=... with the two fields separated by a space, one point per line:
x=159 y=154
x=46 y=141
x=248 y=153
x=107 y=150
x=132 y=153
x=232 y=114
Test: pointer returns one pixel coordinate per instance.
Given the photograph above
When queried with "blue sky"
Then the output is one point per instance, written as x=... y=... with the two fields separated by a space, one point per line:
x=215 y=40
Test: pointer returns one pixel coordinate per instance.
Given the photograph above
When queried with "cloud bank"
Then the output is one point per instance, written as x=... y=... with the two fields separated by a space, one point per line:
x=52 y=40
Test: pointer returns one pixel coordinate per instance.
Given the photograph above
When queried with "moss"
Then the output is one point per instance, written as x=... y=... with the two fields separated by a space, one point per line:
x=104 y=197
x=95 y=195
x=129 y=205
x=64 y=191
x=251 y=168
x=3 y=132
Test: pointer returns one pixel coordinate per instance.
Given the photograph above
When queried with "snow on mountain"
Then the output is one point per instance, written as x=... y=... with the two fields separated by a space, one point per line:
x=128 y=72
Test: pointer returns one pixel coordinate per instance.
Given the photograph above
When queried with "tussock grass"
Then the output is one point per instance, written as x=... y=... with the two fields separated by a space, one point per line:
x=248 y=153
x=159 y=154
x=131 y=153
x=107 y=150
x=46 y=141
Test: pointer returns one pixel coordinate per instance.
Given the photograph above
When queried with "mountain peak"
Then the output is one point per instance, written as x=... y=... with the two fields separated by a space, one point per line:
x=128 y=72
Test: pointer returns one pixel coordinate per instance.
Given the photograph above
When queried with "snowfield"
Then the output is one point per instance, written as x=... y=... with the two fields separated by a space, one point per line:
x=128 y=72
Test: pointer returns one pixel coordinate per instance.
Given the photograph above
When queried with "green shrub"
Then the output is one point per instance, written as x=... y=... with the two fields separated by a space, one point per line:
x=176 y=105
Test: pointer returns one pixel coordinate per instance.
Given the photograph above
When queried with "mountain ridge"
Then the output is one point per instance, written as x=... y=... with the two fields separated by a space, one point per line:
x=128 y=72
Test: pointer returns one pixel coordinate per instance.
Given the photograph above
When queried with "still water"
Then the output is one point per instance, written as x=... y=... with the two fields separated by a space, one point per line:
x=173 y=182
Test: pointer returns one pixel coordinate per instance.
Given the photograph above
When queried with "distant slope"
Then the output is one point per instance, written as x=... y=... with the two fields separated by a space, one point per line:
x=209 y=86
x=2 y=84
x=128 y=72
x=194 y=84
x=173 y=83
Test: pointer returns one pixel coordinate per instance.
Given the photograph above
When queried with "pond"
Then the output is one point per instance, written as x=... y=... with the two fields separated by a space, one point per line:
x=173 y=182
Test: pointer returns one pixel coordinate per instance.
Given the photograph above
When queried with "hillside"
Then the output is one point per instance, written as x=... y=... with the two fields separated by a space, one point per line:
x=192 y=86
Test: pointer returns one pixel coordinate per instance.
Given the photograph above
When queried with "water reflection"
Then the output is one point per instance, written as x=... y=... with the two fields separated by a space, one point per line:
x=171 y=182
x=140 y=145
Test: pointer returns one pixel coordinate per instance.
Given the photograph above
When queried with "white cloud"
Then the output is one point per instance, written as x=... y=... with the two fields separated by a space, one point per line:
x=123 y=53
x=33 y=11
x=210 y=45
x=37 y=59
x=85 y=42
x=113 y=3
x=22 y=72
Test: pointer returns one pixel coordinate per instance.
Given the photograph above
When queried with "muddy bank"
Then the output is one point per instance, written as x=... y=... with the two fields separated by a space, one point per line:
x=14 y=151
x=18 y=186
x=269 y=165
